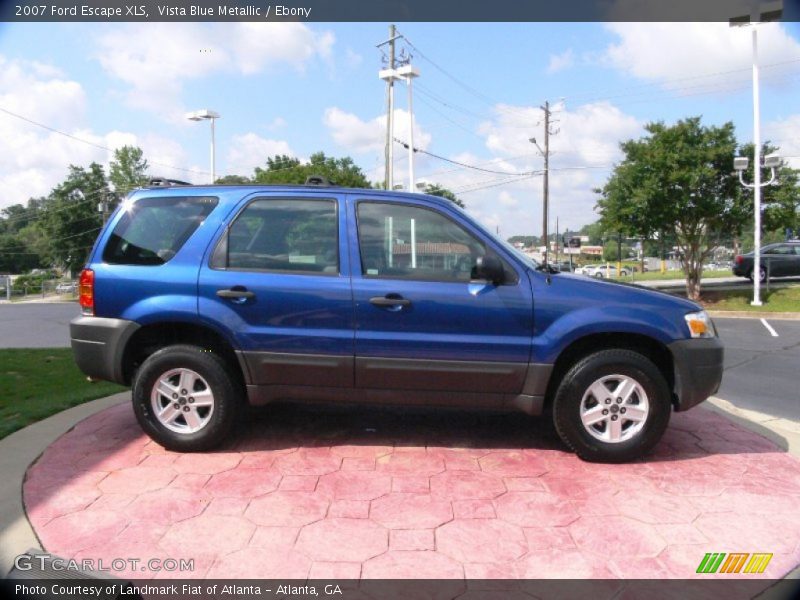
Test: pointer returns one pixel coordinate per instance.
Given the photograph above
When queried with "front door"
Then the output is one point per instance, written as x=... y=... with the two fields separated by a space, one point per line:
x=277 y=278
x=421 y=324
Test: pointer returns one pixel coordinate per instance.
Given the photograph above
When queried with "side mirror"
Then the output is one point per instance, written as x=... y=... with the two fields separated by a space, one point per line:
x=489 y=268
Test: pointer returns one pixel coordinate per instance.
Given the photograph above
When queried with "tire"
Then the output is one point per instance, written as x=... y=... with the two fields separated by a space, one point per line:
x=599 y=275
x=200 y=423
x=762 y=271
x=648 y=396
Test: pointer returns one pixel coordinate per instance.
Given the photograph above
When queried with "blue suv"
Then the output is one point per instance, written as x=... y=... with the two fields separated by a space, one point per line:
x=204 y=298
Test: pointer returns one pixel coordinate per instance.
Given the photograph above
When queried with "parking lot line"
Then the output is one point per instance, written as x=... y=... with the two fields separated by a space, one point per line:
x=772 y=332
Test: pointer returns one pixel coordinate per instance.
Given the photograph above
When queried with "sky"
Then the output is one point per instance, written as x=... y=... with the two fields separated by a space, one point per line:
x=296 y=89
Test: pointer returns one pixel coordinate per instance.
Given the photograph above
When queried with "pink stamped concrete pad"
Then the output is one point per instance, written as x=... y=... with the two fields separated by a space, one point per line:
x=370 y=494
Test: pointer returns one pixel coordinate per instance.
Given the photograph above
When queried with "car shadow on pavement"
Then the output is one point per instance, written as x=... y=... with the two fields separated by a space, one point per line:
x=690 y=435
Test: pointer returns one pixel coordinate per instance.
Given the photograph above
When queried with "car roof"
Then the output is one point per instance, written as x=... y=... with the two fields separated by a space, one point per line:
x=250 y=188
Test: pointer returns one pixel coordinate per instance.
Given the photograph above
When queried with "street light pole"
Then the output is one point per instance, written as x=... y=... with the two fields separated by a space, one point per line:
x=409 y=72
x=759 y=13
x=756 y=175
x=210 y=115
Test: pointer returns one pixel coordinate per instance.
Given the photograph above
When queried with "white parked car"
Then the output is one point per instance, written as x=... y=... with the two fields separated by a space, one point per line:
x=603 y=271
x=65 y=287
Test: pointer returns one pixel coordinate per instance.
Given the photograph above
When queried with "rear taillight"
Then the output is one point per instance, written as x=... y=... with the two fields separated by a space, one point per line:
x=86 y=291
x=739 y=259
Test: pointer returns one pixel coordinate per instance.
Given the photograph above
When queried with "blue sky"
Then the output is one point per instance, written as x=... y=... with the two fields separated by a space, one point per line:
x=297 y=89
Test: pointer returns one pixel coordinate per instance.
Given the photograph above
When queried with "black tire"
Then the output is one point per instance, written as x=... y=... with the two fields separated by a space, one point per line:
x=227 y=397
x=577 y=381
x=762 y=270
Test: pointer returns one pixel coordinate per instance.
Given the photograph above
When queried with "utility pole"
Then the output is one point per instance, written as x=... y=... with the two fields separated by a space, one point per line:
x=102 y=207
x=545 y=152
x=390 y=77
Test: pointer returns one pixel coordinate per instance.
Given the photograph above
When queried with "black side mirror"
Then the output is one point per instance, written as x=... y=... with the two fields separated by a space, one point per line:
x=489 y=268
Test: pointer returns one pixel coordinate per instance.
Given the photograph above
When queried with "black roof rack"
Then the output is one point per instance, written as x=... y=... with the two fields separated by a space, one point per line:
x=319 y=180
x=164 y=182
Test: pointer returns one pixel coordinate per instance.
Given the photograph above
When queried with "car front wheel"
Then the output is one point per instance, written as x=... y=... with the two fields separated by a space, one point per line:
x=612 y=406
x=186 y=398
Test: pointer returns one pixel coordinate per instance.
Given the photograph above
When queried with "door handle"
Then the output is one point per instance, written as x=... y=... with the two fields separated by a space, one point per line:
x=389 y=301
x=236 y=294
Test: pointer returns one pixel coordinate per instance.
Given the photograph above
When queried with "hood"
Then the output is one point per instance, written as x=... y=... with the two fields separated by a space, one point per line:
x=619 y=292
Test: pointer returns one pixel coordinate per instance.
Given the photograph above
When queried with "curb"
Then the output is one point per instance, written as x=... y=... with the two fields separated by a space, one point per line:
x=746 y=314
x=17 y=452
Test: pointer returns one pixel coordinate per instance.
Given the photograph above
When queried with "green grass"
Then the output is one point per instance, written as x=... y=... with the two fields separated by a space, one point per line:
x=37 y=383
x=657 y=275
x=781 y=300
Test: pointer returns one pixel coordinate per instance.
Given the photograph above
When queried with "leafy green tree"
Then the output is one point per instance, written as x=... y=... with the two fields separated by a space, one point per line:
x=677 y=179
x=527 y=240
x=611 y=251
x=15 y=255
x=594 y=231
x=780 y=202
x=285 y=169
x=70 y=221
x=234 y=180
x=128 y=169
x=434 y=189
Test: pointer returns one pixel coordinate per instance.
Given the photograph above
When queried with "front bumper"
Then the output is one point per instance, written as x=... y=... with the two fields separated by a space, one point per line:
x=698 y=370
x=98 y=345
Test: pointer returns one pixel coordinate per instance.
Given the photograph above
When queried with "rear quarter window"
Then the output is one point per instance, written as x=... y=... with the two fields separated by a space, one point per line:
x=153 y=230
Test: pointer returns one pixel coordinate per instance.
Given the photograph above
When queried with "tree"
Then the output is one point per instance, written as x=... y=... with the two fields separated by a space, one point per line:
x=285 y=169
x=234 y=180
x=434 y=189
x=780 y=202
x=70 y=221
x=678 y=179
x=128 y=169
x=594 y=231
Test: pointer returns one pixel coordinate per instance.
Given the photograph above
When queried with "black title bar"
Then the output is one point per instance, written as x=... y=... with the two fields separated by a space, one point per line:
x=377 y=10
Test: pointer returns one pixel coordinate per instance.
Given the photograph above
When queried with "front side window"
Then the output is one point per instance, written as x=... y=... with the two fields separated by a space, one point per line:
x=153 y=230
x=409 y=242
x=282 y=235
x=781 y=250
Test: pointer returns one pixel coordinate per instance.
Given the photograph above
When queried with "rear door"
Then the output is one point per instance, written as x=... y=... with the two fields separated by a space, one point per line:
x=277 y=280
x=781 y=259
x=420 y=322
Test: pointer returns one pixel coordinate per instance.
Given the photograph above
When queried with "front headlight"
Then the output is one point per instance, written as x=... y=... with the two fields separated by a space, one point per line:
x=700 y=325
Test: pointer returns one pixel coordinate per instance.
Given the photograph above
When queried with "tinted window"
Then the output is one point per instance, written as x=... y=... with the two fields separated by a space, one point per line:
x=283 y=235
x=782 y=250
x=153 y=230
x=409 y=242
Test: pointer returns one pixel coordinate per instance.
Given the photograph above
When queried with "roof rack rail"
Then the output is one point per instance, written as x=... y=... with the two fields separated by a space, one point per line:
x=319 y=180
x=164 y=182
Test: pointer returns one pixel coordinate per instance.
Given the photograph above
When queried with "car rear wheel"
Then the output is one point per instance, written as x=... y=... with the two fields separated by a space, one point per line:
x=612 y=406
x=763 y=274
x=186 y=398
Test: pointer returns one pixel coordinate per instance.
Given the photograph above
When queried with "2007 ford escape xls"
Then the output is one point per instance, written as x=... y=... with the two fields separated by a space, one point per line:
x=203 y=298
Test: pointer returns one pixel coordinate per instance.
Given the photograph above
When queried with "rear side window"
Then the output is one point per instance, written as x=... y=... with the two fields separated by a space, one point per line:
x=282 y=235
x=153 y=230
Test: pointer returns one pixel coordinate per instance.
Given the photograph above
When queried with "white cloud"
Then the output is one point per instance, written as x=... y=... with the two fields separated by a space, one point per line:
x=352 y=58
x=585 y=146
x=154 y=59
x=40 y=92
x=359 y=136
x=785 y=133
x=277 y=123
x=559 y=62
x=250 y=150
x=34 y=159
x=664 y=52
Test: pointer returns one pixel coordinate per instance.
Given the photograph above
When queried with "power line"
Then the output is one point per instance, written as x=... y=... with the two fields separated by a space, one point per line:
x=465 y=165
x=106 y=148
